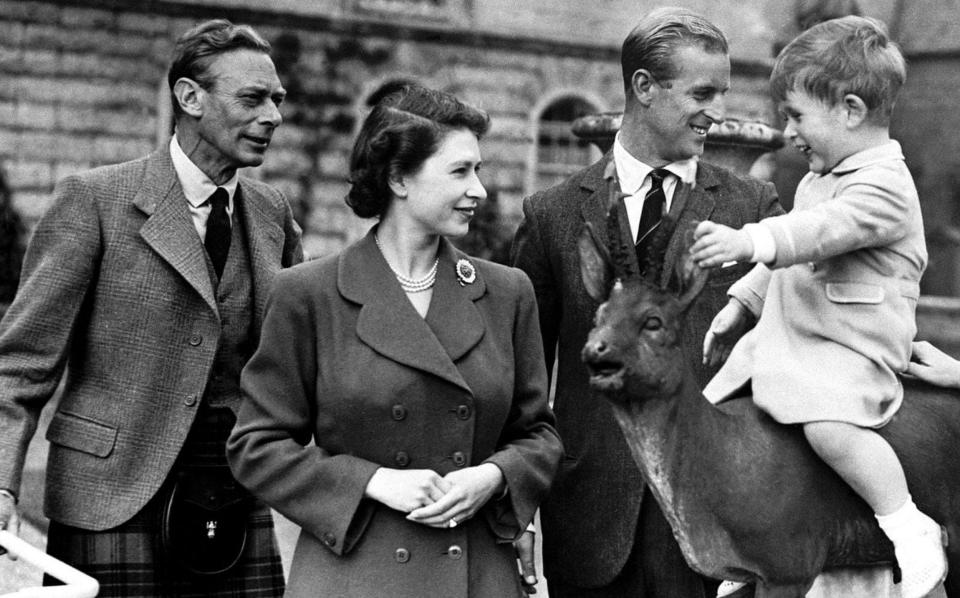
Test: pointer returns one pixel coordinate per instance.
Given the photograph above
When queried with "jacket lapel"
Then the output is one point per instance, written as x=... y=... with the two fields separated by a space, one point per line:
x=265 y=241
x=453 y=316
x=690 y=205
x=169 y=230
x=597 y=182
x=390 y=325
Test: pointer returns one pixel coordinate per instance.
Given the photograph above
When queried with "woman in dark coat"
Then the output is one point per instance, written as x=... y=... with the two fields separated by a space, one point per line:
x=418 y=373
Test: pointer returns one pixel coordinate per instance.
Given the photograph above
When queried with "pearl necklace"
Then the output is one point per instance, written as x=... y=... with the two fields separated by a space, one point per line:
x=411 y=285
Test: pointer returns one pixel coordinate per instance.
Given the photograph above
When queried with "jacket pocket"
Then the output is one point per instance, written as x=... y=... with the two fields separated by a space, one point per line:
x=82 y=434
x=854 y=292
x=726 y=275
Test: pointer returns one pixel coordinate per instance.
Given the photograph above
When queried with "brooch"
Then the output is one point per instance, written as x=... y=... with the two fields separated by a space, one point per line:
x=466 y=273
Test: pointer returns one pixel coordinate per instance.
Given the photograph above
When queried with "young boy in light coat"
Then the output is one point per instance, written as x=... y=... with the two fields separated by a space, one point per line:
x=837 y=281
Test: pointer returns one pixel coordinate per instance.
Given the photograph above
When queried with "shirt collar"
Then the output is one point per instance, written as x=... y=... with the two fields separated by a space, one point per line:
x=197 y=186
x=632 y=172
x=890 y=150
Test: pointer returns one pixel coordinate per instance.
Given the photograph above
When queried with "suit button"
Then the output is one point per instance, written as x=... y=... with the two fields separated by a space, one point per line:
x=455 y=552
x=399 y=412
x=190 y=401
x=195 y=340
x=813 y=266
x=329 y=539
x=402 y=555
x=459 y=459
x=463 y=412
x=402 y=459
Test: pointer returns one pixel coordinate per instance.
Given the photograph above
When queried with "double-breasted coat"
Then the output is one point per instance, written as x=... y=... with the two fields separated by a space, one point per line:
x=837 y=307
x=346 y=361
x=590 y=518
x=116 y=288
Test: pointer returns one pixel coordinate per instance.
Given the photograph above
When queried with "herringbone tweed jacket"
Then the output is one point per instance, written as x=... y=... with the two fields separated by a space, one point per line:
x=116 y=289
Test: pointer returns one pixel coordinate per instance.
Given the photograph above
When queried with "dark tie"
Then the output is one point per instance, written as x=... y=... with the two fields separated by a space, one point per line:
x=217 y=241
x=650 y=219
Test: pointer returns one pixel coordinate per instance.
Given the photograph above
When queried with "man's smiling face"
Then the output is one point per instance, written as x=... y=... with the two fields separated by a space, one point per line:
x=683 y=108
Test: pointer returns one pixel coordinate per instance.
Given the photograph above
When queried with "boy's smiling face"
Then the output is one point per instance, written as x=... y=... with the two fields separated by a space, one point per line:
x=816 y=128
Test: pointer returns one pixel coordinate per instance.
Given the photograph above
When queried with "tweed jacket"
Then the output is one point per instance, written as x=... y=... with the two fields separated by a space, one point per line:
x=116 y=289
x=837 y=308
x=590 y=518
x=346 y=361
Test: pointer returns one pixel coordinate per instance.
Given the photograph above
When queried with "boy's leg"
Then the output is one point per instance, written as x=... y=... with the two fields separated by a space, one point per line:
x=869 y=465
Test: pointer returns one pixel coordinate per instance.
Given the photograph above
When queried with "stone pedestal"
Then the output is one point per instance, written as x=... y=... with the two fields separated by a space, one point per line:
x=734 y=144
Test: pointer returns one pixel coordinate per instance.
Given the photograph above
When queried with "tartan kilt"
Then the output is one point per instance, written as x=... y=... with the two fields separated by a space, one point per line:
x=125 y=559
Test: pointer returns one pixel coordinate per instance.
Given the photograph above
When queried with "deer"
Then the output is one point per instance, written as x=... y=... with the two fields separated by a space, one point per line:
x=746 y=497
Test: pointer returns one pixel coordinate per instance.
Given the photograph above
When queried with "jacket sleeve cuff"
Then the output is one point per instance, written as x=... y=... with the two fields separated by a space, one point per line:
x=764 y=245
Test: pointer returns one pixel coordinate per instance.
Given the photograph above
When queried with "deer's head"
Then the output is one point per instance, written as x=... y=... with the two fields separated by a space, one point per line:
x=633 y=350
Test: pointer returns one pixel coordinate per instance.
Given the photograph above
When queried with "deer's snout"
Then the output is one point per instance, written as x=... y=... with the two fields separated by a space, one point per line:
x=604 y=366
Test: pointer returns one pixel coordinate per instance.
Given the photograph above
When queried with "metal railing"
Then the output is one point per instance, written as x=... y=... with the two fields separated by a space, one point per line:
x=78 y=584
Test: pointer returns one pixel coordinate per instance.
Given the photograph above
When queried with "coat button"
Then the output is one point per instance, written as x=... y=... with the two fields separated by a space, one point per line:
x=402 y=459
x=463 y=412
x=195 y=340
x=399 y=412
x=190 y=401
x=402 y=555
x=455 y=552
x=459 y=459
x=329 y=539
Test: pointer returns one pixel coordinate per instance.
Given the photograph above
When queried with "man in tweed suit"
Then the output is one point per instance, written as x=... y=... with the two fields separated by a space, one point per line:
x=152 y=326
x=603 y=534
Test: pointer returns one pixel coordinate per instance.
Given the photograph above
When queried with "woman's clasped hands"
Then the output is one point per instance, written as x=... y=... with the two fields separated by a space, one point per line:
x=434 y=500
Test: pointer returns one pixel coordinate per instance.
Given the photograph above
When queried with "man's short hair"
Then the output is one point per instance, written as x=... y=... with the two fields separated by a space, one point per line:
x=847 y=55
x=656 y=37
x=198 y=47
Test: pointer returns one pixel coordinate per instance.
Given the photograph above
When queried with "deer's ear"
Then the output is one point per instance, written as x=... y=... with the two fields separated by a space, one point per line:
x=596 y=269
x=692 y=279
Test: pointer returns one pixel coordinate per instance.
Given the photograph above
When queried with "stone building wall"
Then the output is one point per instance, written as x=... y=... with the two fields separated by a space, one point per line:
x=83 y=84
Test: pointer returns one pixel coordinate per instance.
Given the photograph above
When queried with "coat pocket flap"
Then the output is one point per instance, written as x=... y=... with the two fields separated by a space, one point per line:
x=854 y=292
x=82 y=434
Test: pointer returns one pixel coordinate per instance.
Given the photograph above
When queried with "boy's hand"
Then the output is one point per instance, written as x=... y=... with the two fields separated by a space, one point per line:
x=717 y=244
x=728 y=326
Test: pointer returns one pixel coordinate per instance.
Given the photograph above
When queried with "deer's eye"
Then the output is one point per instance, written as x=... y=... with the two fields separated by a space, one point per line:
x=653 y=323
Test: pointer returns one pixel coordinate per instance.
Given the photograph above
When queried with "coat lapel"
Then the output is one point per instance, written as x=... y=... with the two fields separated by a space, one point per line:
x=169 y=230
x=265 y=241
x=597 y=182
x=690 y=205
x=453 y=316
x=390 y=325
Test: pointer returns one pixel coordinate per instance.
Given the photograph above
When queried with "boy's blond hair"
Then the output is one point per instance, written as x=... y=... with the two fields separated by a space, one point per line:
x=842 y=56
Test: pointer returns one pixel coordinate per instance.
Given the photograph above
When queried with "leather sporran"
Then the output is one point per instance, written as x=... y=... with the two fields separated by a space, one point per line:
x=203 y=522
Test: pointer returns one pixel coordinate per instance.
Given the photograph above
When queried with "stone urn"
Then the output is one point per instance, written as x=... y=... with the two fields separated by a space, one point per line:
x=735 y=144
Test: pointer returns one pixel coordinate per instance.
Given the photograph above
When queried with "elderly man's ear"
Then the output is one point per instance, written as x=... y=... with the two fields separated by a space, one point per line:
x=189 y=95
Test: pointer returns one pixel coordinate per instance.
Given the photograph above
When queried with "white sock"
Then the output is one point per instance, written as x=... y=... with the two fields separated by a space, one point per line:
x=917 y=544
x=903 y=522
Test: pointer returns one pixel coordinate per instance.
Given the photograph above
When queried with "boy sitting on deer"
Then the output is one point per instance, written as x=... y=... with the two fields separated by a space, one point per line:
x=836 y=284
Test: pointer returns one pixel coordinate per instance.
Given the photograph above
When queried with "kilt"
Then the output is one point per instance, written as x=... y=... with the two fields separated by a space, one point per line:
x=125 y=559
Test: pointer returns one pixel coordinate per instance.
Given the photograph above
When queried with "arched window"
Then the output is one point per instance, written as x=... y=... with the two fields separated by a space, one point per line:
x=559 y=152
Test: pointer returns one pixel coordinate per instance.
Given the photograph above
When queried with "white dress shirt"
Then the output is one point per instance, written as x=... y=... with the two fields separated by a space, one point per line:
x=635 y=181
x=197 y=187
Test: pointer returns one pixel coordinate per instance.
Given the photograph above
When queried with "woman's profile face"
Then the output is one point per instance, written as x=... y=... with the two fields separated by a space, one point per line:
x=443 y=195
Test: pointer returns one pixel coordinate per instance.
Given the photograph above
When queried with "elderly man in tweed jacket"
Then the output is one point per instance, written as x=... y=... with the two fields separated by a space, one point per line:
x=151 y=297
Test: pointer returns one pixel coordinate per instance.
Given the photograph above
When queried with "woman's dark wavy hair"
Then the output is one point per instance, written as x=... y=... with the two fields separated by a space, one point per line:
x=404 y=129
